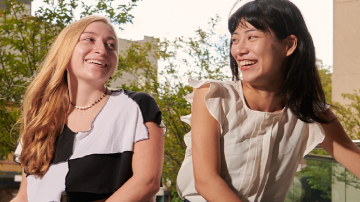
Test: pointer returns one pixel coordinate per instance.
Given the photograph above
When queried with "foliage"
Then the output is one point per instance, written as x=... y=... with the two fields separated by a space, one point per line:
x=318 y=176
x=24 y=41
x=349 y=115
x=325 y=76
x=343 y=175
x=295 y=191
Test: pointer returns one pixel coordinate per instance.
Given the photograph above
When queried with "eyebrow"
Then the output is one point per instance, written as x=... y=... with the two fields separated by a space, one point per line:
x=246 y=31
x=251 y=30
x=93 y=33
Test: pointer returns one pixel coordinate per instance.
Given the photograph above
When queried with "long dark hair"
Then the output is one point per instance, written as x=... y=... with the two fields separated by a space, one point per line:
x=302 y=86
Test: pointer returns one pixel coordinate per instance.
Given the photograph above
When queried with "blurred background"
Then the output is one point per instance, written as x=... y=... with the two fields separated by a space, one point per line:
x=162 y=43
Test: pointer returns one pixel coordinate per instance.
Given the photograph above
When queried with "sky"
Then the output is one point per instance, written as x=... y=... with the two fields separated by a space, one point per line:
x=174 y=18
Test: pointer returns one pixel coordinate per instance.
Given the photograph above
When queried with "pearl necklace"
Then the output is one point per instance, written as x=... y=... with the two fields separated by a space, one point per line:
x=89 y=106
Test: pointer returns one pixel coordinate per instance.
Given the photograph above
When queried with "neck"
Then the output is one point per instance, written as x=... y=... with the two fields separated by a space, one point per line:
x=263 y=99
x=83 y=94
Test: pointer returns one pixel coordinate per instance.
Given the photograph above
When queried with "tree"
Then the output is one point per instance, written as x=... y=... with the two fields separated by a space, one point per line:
x=325 y=76
x=349 y=115
x=24 y=41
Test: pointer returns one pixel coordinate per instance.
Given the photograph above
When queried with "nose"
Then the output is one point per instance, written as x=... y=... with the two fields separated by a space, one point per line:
x=100 y=48
x=239 y=49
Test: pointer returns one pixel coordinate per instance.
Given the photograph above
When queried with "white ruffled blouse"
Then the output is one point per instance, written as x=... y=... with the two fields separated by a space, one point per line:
x=260 y=151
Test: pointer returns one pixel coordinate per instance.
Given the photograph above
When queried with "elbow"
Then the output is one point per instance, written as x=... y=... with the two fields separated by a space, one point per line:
x=155 y=189
x=202 y=183
x=205 y=181
x=199 y=187
x=153 y=186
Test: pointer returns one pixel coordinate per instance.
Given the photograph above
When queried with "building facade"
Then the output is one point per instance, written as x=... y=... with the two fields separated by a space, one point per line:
x=26 y=2
x=346 y=69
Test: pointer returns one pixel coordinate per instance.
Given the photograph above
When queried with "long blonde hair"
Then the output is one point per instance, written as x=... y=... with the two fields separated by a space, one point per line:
x=46 y=100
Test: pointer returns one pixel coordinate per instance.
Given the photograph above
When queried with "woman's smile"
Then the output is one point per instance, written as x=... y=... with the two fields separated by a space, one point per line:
x=246 y=64
x=96 y=62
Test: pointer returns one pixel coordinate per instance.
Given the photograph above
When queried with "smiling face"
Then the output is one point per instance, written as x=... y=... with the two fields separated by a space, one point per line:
x=95 y=56
x=261 y=57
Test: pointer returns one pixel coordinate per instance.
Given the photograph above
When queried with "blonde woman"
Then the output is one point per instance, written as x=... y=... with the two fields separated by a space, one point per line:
x=79 y=140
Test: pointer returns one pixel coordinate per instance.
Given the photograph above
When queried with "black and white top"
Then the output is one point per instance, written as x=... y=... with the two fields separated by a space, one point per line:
x=92 y=165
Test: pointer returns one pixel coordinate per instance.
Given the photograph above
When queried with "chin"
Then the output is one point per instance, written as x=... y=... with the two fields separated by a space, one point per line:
x=248 y=78
x=252 y=80
x=98 y=77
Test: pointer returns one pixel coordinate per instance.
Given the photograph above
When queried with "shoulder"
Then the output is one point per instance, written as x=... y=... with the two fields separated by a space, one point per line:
x=216 y=88
x=139 y=97
x=217 y=97
x=199 y=95
x=147 y=105
x=207 y=83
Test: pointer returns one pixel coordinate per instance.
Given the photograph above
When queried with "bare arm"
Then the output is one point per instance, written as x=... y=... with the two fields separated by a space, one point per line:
x=22 y=194
x=205 y=137
x=338 y=144
x=147 y=165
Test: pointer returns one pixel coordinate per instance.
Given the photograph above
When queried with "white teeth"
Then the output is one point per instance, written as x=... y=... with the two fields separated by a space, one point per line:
x=96 y=62
x=247 y=62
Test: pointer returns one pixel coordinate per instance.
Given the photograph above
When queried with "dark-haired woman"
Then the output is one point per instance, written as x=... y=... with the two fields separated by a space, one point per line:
x=249 y=136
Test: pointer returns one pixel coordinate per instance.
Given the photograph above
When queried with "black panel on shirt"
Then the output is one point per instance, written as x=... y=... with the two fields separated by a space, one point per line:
x=147 y=104
x=64 y=146
x=97 y=174
x=86 y=197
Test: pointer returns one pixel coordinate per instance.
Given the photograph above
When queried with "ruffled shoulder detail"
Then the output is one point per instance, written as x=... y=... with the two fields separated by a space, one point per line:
x=220 y=96
x=315 y=136
x=215 y=98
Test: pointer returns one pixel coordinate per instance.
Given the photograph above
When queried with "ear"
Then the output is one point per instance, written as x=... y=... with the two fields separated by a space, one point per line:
x=291 y=44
